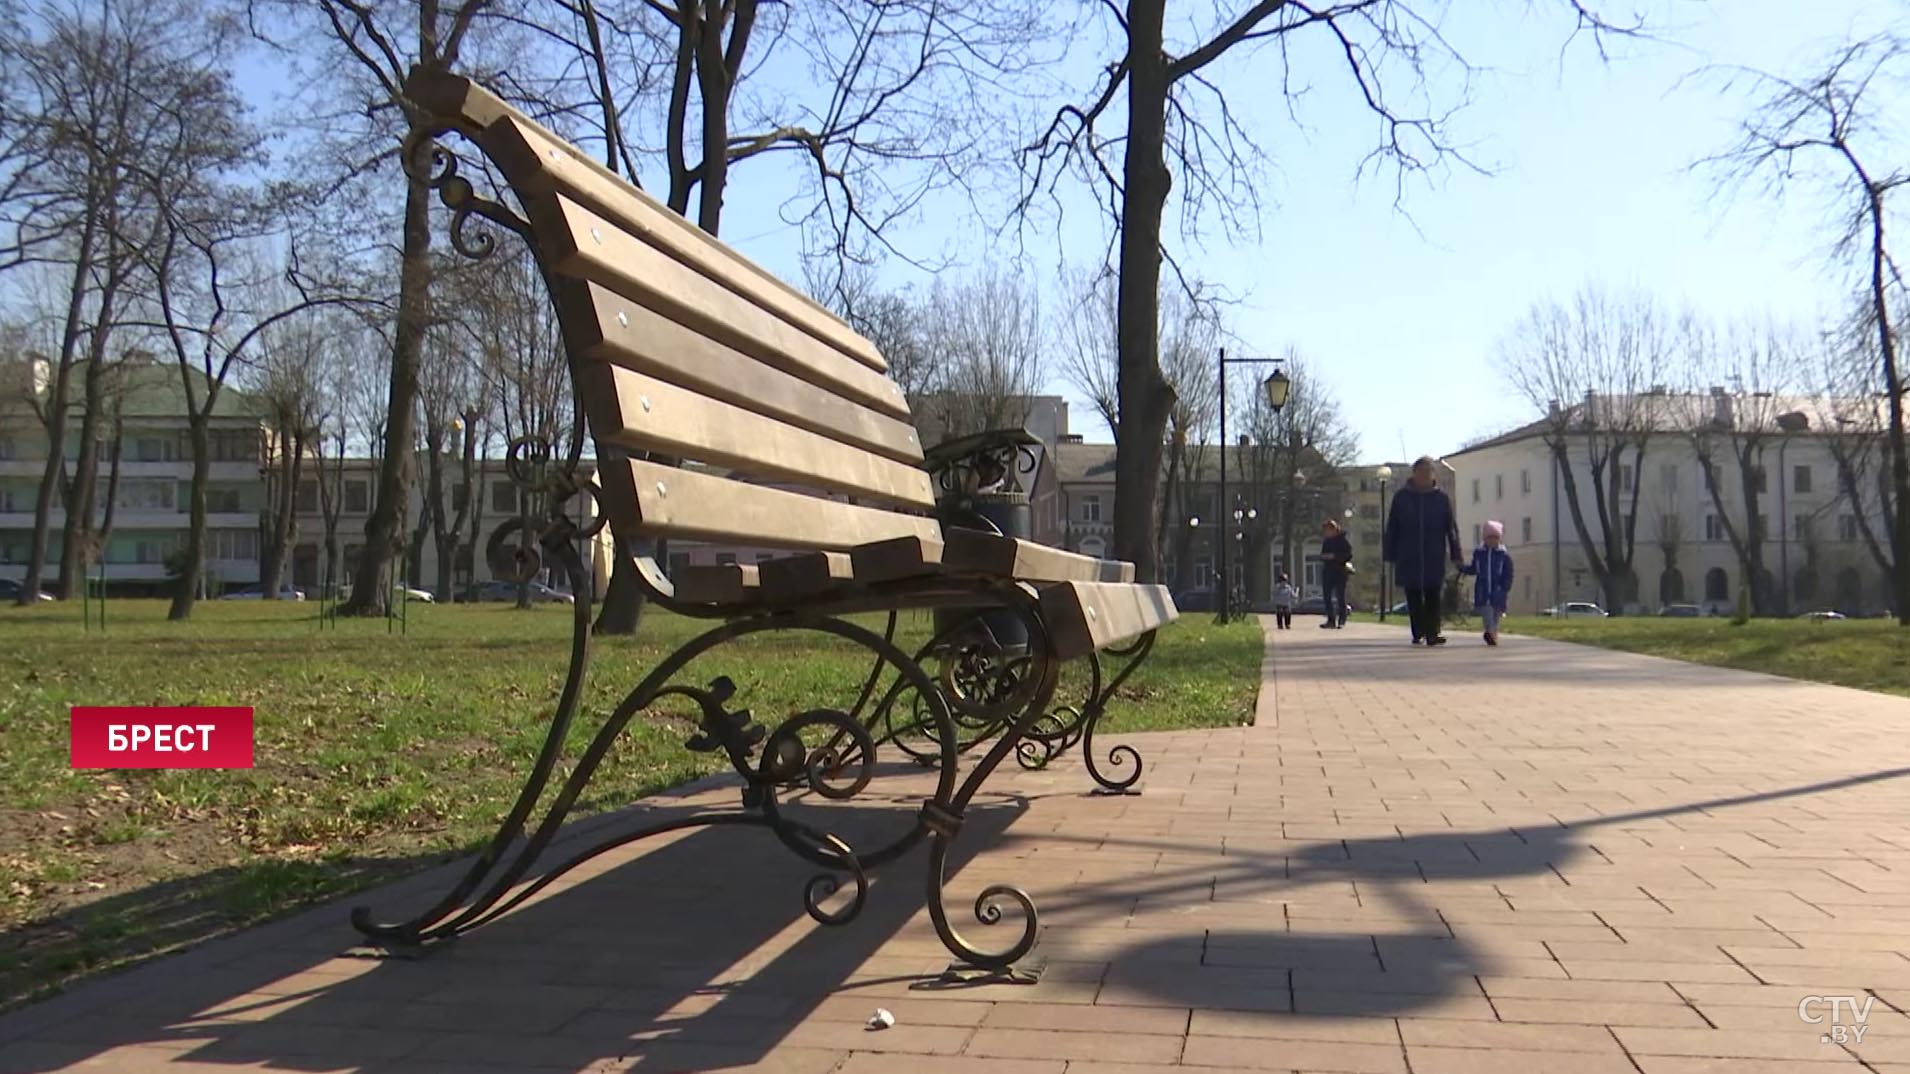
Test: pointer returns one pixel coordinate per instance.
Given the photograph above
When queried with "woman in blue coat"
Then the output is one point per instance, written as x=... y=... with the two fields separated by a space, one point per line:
x=1422 y=536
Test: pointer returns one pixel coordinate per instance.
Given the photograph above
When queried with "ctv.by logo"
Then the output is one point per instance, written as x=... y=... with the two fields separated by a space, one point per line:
x=1843 y=1030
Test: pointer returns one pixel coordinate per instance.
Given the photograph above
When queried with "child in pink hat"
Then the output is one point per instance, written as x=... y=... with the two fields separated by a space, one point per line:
x=1492 y=567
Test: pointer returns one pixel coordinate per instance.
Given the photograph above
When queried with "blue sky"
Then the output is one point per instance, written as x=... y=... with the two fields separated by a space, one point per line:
x=1400 y=311
x=1591 y=184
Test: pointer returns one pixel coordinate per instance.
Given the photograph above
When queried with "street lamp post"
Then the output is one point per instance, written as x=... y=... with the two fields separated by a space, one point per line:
x=1277 y=385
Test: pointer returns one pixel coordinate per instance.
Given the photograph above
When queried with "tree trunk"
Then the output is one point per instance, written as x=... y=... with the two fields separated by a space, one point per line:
x=1600 y=572
x=382 y=529
x=284 y=531
x=1146 y=398
x=79 y=494
x=194 y=572
x=1893 y=391
x=1751 y=547
x=55 y=417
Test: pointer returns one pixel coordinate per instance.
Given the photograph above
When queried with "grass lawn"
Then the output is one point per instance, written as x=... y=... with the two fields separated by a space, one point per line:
x=377 y=753
x=1869 y=654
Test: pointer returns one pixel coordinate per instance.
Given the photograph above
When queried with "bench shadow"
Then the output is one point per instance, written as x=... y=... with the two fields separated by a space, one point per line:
x=1334 y=974
x=694 y=954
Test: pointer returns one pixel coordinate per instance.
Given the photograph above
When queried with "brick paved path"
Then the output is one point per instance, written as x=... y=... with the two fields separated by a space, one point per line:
x=1533 y=859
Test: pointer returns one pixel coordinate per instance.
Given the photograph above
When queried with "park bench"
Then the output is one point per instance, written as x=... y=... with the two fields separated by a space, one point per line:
x=729 y=408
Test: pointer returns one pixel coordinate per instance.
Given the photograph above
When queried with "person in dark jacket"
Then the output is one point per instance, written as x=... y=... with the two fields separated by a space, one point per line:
x=1422 y=536
x=1492 y=566
x=1336 y=557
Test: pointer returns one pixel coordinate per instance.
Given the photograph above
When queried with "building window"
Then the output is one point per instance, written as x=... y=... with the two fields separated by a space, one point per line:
x=1478 y=533
x=1090 y=508
x=1717 y=585
x=1525 y=530
x=503 y=497
x=1801 y=479
x=1801 y=527
x=1713 y=528
x=1624 y=478
x=231 y=545
x=1475 y=490
x=223 y=501
x=308 y=497
x=1846 y=527
x=1668 y=476
x=1203 y=571
x=148 y=495
x=1525 y=482
x=357 y=497
x=1498 y=486
x=1625 y=523
x=460 y=495
x=155 y=449
x=1758 y=479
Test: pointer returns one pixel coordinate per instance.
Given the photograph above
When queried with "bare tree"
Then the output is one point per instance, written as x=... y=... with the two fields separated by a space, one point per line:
x=1848 y=377
x=1174 y=110
x=292 y=360
x=93 y=99
x=524 y=369
x=1832 y=128
x=1295 y=455
x=1596 y=369
x=984 y=336
x=1729 y=416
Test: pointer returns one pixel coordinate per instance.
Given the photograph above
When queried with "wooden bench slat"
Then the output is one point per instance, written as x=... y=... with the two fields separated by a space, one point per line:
x=648 y=414
x=1086 y=616
x=645 y=498
x=581 y=244
x=1006 y=557
x=805 y=575
x=896 y=559
x=611 y=328
x=540 y=160
x=721 y=583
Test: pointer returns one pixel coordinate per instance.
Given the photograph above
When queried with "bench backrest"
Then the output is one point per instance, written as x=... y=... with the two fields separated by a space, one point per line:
x=685 y=348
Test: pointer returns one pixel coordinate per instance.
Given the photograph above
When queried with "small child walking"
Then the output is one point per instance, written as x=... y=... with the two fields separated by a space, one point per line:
x=1284 y=597
x=1492 y=568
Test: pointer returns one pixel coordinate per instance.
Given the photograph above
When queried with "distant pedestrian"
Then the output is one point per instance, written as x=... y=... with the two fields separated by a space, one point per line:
x=1492 y=567
x=1336 y=562
x=1422 y=536
x=1284 y=598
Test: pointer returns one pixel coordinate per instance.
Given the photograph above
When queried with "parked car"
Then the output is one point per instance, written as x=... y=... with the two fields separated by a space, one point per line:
x=506 y=592
x=10 y=591
x=1195 y=600
x=1823 y=615
x=1576 y=609
x=1316 y=605
x=255 y=592
x=1681 y=611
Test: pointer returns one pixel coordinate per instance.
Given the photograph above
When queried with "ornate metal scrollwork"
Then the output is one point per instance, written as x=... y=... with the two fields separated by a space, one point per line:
x=429 y=161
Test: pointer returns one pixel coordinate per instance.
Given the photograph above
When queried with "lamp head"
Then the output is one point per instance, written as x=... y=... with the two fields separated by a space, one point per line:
x=1277 y=386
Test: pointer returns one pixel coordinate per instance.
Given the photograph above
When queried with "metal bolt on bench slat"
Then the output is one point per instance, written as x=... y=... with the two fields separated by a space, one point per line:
x=623 y=318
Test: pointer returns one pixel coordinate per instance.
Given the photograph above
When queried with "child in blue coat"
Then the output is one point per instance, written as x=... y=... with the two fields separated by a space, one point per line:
x=1492 y=567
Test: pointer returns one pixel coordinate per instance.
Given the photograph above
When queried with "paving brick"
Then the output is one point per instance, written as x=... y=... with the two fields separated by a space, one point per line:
x=1273 y=1026
x=1248 y=1053
x=1598 y=1013
x=1059 y=1044
x=1799 y=1043
x=1428 y=1060
x=1460 y=1033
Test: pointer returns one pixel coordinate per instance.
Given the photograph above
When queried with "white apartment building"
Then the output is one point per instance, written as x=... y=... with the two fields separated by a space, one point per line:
x=155 y=473
x=151 y=510
x=1813 y=547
